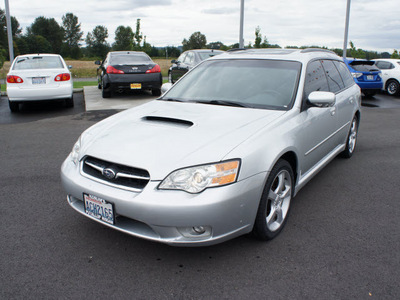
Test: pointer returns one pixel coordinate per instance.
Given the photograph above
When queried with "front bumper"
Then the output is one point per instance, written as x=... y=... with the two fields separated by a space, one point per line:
x=169 y=216
x=15 y=93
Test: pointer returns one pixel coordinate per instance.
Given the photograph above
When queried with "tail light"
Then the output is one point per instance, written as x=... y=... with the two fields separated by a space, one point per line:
x=63 y=77
x=112 y=70
x=14 y=79
x=155 y=69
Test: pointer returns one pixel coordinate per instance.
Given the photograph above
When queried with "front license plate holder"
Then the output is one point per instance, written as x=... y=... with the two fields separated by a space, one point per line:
x=136 y=86
x=38 y=80
x=99 y=208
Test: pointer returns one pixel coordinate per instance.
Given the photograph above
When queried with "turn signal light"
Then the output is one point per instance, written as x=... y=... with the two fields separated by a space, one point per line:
x=63 y=77
x=14 y=79
x=155 y=69
x=112 y=70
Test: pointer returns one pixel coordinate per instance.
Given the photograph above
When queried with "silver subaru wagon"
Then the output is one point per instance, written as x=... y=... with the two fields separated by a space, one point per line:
x=222 y=152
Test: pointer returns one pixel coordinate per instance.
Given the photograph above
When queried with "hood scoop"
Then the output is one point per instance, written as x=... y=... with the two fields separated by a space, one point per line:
x=168 y=121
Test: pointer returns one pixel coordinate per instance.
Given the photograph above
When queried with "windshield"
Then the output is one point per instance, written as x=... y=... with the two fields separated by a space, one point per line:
x=38 y=62
x=205 y=55
x=267 y=84
x=128 y=59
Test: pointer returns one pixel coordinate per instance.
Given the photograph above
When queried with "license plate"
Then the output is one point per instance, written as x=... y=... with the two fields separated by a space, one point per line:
x=39 y=80
x=136 y=86
x=370 y=77
x=99 y=208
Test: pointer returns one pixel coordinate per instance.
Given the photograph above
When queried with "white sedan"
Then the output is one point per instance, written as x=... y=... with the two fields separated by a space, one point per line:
x=37 y=77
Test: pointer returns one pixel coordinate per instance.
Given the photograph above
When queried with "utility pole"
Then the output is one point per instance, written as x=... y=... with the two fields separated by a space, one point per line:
x=346 y=29
x=241 y=41
x=9 y=32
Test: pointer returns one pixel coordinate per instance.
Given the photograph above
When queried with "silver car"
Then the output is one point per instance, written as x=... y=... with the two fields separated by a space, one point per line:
x=222 y=152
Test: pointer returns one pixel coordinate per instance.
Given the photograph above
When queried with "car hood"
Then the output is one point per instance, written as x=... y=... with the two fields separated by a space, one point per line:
x=163 y=136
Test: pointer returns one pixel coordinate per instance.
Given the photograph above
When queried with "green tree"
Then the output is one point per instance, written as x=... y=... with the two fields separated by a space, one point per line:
x=72 y=36
x=217 y=45
x=196 y=41
x=123 y=38
x=395 y=54
x=49 y=29
x=258 y=39
x=138 y=37
x=15 y=30
x=96 y=41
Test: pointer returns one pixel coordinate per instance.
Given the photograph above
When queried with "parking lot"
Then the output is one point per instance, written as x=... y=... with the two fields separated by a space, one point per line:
x=341 y=241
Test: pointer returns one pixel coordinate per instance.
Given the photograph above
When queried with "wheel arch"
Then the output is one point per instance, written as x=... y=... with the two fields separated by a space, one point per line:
x=389 y=80
x=291 y=158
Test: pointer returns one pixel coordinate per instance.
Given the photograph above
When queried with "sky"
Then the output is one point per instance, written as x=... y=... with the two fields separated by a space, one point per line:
x=374 y=24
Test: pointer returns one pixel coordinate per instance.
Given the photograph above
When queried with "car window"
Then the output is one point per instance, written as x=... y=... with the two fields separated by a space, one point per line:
x=126 y=59
x=344 y=73
x=335 y=82
x=384 y=65
x=315 y=79
x=189 y=58
x=363 y=66
x=205 y=55
x=252 y=83
x=181 y=57
x=38 y=62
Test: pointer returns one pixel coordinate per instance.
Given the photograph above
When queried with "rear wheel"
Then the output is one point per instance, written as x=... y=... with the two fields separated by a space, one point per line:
x=69 y=102
x=156 y=92
x=14 y=106
x=351 y=139
x=275 y=202
x=393 y=87
x=105 y=93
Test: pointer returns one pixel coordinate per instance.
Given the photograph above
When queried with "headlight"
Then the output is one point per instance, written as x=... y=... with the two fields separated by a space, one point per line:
x=356 y=75
x=197 y=179
x=75 y=151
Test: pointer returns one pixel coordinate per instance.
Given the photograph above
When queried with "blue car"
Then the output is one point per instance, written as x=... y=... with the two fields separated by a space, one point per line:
x=366 y=75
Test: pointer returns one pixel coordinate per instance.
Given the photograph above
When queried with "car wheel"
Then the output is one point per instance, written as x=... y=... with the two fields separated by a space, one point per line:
x=275 y=202
x=369 y=93
x=393 y=87
x=99 y=86
x=156 y=92
x=69 y=102
x=105 y=93
x=351 y=139
x=170 y=78
x=14 y=106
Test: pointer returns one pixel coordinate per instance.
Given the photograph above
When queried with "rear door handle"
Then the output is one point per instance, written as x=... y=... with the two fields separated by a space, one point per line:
x=351 y=99
x=333 y=111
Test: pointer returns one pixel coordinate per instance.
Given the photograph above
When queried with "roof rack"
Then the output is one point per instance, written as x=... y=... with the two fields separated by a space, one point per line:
x=237 y=49
x=307 y=50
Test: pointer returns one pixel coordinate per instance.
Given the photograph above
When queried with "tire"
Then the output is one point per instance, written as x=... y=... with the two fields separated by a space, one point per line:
x=275 y=201
x=351 y=139
x=170 y=78
x=393 y=87
x=99 y=86
x=105 y=93
x=14 y=106
x=156 y=92
x=69 y=102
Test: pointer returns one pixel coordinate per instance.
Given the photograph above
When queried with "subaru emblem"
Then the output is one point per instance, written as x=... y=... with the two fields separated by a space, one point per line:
x=109 y=173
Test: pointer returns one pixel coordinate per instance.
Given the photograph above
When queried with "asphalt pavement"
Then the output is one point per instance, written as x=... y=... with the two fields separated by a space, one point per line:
x=341 y=241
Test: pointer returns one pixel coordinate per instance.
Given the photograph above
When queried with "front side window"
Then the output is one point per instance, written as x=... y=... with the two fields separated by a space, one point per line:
x=268 y=84
x=38 y=62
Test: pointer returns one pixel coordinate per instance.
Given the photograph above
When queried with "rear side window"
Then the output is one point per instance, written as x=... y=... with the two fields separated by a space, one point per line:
x=344 y=73
x=384 y=65
x=335 y=82
x=38 y=62
x=315 y=79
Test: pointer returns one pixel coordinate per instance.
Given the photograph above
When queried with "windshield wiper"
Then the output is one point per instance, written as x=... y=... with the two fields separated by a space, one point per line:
x=221 y=102
x=170 y=99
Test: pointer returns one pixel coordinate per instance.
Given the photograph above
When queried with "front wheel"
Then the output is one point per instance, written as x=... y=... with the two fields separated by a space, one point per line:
x=393 y=87
x=14 y=106
x=170 y=78
x=275 y=202
x=351 y=139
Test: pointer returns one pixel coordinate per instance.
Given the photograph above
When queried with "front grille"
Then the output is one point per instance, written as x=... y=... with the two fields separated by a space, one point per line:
x=113 y=174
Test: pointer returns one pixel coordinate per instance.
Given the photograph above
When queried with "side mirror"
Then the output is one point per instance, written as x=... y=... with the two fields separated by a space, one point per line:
x=322 y=99
x=165 y=87
x=70 y=67
x=173 y=61
x=97 y=62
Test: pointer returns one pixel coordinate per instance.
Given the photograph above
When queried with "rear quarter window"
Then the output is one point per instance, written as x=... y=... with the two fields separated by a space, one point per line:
x=344 y=73
x=335 y=81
